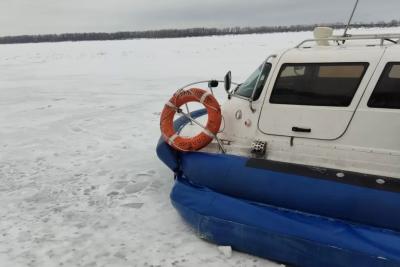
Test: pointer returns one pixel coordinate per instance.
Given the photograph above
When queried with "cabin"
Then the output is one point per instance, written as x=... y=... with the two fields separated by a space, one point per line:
x=332 y=102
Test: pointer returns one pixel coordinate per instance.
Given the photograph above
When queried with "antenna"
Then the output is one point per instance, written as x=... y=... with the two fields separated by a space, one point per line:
x=351 y=17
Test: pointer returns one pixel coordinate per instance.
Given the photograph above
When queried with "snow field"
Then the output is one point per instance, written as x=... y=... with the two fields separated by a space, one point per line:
x=80 y=183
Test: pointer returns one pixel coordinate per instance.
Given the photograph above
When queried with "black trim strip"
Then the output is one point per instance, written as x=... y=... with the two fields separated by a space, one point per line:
x=340 y=176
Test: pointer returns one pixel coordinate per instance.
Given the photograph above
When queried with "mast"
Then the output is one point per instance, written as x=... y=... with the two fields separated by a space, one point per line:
x=351 y=17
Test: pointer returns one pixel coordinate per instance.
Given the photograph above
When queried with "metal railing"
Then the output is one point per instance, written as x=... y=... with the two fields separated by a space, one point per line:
x=192 y=120
x=382 y=37
x=251 y=100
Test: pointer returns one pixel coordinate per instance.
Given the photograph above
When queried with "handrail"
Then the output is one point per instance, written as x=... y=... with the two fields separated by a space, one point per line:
x=338 y=38
x=205 y=81
x=193 y=120
x=258 y=80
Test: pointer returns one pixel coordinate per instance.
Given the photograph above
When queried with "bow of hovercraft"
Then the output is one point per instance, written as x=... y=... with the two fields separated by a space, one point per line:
x=280 y=212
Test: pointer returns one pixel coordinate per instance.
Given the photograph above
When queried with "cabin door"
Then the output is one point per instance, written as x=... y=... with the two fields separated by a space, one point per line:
x=316 y=91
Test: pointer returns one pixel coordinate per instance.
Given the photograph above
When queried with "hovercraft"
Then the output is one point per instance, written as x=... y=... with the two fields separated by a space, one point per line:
x=301 y=164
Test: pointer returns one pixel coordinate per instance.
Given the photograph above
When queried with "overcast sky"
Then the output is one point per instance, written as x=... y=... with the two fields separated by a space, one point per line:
x=58 y=16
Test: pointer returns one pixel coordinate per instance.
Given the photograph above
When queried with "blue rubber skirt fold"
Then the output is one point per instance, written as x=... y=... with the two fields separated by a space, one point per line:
x=283 y=235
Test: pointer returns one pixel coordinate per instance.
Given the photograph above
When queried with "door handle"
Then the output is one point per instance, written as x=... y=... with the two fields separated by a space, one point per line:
x=301 y=130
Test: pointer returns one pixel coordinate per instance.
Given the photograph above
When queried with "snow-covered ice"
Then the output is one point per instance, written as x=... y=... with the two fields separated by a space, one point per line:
x=80 y=183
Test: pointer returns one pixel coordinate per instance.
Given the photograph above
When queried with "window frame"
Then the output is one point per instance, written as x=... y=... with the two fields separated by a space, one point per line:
x=381 y=77
x=253 y=93
x=365 y=64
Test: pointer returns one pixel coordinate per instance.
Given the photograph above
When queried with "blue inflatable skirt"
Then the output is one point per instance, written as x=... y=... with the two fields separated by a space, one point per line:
x=282 y=235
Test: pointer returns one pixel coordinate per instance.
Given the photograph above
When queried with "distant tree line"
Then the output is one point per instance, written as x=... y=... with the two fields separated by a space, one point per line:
x=178 y=33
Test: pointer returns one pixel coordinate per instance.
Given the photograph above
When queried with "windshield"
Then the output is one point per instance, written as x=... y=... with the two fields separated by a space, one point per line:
x=260 y=74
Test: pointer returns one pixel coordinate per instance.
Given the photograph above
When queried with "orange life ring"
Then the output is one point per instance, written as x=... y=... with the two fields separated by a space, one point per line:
x=172 y=106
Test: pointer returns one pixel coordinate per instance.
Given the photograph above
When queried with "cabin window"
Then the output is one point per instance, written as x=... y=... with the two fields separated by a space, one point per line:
x=387 y=91
x=256 y=81
x=318 y=84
